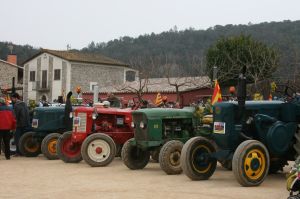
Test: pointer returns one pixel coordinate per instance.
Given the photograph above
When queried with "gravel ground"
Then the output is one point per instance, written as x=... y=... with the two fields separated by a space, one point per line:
x=40 y=178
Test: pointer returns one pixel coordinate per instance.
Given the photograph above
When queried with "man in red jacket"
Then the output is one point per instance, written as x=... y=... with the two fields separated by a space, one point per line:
x=7 y=123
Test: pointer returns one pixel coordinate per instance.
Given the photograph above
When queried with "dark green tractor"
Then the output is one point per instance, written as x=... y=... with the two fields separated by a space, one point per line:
x=47 y=125
x=257 y=137
x=161 y=132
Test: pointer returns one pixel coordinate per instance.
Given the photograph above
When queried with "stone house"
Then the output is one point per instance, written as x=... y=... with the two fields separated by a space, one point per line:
x=53 y=73
x=9 y=70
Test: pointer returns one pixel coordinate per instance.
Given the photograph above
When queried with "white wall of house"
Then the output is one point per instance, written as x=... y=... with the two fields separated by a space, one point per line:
x=56 y=84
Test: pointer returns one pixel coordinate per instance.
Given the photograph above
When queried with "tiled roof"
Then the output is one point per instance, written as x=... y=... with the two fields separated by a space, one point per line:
x=154 y=85
x=10 y=64
x=76 y=56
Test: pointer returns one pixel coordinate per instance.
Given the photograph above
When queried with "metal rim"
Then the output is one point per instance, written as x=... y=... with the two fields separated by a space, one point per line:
x=199 y=161
x=175 y=158
x=98 y=150
x=254 y=164
x=31 y=146
x=70 y=149
x=52 y=146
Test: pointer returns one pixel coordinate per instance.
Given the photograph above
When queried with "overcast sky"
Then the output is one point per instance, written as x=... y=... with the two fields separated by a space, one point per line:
x=55 y=23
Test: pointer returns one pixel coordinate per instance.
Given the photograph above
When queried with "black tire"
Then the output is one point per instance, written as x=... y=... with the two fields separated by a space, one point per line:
x=227 y=164
x=106 y=150
x=195 y=158
x=133 y=157
x=250 y=163
x=49 y=146
x=66 y=151
x=169 y=157
x=276 y=166
x=155 y=155
x=28 y=146
x=119 y=150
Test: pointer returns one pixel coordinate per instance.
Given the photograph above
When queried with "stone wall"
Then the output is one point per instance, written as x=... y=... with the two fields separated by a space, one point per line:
x=82 y=74
x=7 y=72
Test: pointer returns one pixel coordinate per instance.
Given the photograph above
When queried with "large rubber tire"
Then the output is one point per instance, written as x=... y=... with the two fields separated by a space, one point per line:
x=66 y=150
x=28 y=146
x=250 y=163
x=195 y=158
x=276 y=166
x=169 y=157
x=98 y=150
x=155 y=155
x=49 y=146
x=133 y=157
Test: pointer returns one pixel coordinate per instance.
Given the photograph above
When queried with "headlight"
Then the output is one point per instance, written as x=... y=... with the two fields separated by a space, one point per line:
x=142 y=125
x=71 y=115
x=132 y=125
x=94 y=116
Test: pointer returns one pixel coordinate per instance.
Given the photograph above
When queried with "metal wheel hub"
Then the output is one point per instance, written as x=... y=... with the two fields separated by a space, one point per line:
x=98 y=150
x=254 y=165
x=175 y=158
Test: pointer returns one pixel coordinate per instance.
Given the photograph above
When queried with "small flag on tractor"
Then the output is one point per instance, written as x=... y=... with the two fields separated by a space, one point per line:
x=158 y=99
x=217 y=97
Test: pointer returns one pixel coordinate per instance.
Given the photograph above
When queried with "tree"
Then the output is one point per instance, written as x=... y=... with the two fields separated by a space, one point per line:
x=232 y=53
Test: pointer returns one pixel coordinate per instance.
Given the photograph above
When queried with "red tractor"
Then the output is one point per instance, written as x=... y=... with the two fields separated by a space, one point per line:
x=97 y=137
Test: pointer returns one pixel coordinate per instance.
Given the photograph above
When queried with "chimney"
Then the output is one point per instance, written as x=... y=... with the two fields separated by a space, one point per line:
x=12 y=58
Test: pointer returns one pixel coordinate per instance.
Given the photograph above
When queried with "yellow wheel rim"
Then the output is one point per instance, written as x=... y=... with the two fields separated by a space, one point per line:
x=255 y=164
x=197 y=165
x=52 y=146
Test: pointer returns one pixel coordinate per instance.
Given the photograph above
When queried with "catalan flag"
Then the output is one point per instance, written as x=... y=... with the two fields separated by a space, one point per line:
x=158 y=99
x=217 y=97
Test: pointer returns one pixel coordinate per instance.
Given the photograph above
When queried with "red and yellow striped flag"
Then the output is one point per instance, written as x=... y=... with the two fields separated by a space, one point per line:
x=158 y=99
x=217 y=97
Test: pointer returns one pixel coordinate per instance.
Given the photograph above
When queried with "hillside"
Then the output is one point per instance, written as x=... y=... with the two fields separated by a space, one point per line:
x=185 y=50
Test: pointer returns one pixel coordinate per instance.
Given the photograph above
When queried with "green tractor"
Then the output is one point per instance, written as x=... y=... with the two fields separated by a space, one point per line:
x=161 y=132
x=257 y=137
x=47 y=125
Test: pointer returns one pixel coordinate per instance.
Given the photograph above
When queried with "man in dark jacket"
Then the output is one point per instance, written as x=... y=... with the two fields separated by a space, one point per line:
x=7 y=123
x=22 y=117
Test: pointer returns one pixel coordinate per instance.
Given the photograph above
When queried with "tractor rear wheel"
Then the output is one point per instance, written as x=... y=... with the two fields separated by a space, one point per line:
x=98 y=150
x=29 y=146
x=49 y=146
x=169 y=157
x=155 y=154
x=133 y=157
x=250 y=163
x=68 y=151
x=196 y=160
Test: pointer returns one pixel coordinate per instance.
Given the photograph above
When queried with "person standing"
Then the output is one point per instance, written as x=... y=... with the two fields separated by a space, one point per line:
x=7 y=123
x=22 y=117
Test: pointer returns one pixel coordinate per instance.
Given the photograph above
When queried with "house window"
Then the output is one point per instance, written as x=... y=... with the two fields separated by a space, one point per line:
x=130 y=76
x=92 y=85
x=57 y=74
x=32 y=76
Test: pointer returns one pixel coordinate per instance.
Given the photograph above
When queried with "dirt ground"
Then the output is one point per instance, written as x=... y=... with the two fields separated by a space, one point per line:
x=40 y=178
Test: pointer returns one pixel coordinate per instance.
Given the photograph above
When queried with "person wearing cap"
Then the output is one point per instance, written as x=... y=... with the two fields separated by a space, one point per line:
x=7 y=123
x=22 y=117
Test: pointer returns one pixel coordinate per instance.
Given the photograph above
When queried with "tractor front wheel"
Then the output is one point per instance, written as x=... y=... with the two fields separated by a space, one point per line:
x=98 y=150
x=68 y=151
x=250 y=163
x=133 y=157
x=196 y=160
x=29 y=146
x=169 y=157
x=49 y=146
